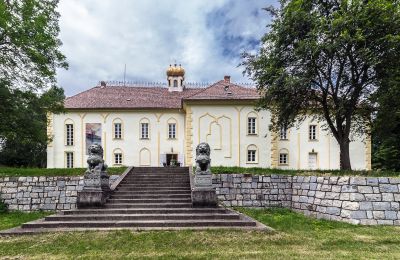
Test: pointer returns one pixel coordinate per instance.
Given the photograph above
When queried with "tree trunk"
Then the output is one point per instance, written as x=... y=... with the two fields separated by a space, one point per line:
x=345 y=154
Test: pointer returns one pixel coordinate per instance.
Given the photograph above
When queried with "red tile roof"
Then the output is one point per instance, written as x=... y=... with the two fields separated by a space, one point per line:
x=118 y=97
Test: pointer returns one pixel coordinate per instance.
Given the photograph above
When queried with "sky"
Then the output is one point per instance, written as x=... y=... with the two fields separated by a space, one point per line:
x=205 y=36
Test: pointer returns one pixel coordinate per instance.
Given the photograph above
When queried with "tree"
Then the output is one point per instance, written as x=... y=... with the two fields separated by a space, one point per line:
x=326 y=57
x=24 y=137
x=29 y=47
x=29 y=57
x=386 y=125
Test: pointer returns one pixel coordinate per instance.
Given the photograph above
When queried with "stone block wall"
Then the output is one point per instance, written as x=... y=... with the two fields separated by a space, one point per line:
x=42 y=193
x=357 y=200
x=245 y=190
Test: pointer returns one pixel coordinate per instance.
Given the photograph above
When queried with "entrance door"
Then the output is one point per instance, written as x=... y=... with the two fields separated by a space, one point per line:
x=172 y=157
x=312 y=161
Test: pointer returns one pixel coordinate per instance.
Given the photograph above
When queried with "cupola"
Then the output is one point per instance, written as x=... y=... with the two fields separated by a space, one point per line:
x=176 y=78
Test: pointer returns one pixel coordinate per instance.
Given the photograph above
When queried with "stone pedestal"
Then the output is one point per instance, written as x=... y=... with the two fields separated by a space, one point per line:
x=203 y=193
x=96 y=189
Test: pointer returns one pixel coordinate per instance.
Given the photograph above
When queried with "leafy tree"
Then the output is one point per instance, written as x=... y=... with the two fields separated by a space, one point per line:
x=29 y=57
x=326 y=57
x=29 y=47
x=386 y=126
x=24 y=137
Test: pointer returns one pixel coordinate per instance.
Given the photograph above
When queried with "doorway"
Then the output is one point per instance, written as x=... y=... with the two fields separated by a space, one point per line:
x=312 y=161
x=172 y=157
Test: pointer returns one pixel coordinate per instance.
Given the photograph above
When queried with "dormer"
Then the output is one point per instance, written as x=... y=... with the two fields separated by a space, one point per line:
x=176 y=78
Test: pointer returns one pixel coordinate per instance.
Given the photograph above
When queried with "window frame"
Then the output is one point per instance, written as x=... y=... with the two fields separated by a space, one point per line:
x=172 y=132
x=118 y=161
x=69 y=159
x=313 y=133
x=251 y=158
x=284 y=155
x=117 y=135
x=145 y=135
x=252 y=126
x=283 y=133
x=69 y=134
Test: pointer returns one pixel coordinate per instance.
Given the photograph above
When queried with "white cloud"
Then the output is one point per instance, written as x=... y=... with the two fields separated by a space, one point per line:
x=206 y=36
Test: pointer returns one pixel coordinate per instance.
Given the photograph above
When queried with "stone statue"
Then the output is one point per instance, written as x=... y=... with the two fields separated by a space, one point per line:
x=95 y=160
x=96 y=187
x=203 y=159
x=203 y=192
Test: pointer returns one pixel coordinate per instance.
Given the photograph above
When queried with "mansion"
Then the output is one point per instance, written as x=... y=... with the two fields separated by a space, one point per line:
x=161 y=125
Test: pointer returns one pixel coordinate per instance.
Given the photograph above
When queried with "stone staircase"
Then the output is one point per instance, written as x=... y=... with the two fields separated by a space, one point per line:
x=147 y=198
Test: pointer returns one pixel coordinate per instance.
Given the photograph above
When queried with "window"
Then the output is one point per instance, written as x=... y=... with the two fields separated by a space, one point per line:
x=312 y=134
x=175 y=83
x=117 y=158
x=70 y=134
x=283 y=133
x=251 y=125
x=171 y=130
x=283 y=158
x=70 y=159
x=144 y=131
x=251 y=155
x=117 y=130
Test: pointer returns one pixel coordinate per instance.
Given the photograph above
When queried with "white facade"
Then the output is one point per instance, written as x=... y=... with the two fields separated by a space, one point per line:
x=224 y=126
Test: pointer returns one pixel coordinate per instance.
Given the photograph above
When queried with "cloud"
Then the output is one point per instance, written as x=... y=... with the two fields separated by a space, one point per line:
x=206 y=36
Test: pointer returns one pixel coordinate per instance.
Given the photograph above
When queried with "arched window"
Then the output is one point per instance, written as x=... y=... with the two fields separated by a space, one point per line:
x=252 y=154
x=118 y=156
x=175 y=83
x=117 y=128
x=69 y=132
x=144 y=128
x=172 y=128
x=283 y=157
x=252 y=124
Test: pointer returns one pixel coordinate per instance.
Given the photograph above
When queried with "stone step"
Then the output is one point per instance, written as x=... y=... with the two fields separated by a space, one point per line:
x=154 y=181
x=140 y=223
x=118 y=217
x=105 y=211
x=161 y=185
x=159 y=176
x=151 y=196
x=163 y=200
x=155 y=192
x=148 y=205
x=152 y=188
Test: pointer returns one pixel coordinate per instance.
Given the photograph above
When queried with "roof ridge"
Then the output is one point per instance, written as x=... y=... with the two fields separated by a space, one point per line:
x=201 y=91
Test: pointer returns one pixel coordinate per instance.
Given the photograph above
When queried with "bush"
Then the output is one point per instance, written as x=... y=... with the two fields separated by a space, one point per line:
x=3 y=206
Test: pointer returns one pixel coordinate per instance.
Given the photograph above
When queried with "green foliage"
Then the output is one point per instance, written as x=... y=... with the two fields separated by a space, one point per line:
x=24 y=122
x=30 y=172
x=29 y=44
x=267 y=171
x=326 y=58
x=3 y=206
x=29 y=57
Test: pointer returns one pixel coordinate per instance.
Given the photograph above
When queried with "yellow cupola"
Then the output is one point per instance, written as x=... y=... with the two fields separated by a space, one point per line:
x=175 y=77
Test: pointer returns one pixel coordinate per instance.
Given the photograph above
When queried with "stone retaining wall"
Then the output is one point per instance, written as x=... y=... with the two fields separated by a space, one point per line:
x=41 y=193
x=245 y=190
x=358 y=200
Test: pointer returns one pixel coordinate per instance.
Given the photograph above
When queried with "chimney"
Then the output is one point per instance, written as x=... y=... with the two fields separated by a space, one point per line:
x=103 y=84
x=227 y=79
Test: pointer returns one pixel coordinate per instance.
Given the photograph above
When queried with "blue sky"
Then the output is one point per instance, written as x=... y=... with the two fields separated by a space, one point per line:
x=205 y=36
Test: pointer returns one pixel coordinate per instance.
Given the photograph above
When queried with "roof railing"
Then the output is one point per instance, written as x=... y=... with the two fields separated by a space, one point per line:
x=116 y=83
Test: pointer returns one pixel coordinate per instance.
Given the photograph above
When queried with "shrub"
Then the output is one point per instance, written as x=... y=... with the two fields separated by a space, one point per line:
x=3 y=206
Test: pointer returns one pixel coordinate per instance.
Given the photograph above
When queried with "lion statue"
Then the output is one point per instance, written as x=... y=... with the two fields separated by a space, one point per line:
x=95 y=160
x=203 y=159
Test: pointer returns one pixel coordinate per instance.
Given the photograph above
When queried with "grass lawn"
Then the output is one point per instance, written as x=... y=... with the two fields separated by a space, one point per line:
x=13 y=219
x=266 y=171
x=28 y=172
x=296 y=236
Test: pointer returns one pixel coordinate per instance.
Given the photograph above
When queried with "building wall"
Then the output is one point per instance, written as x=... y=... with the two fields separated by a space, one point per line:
x=135 y=151
x=224 y=127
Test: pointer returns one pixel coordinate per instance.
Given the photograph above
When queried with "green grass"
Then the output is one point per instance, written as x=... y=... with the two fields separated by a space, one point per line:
x=16 y=218
x=296 y=237
x=262 y=171
x=25 y=172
